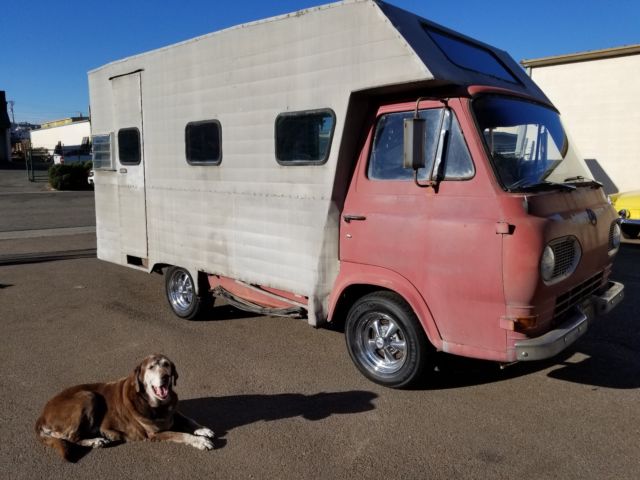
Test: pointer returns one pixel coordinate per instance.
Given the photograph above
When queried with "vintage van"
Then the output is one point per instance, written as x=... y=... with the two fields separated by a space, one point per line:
x=355 y=163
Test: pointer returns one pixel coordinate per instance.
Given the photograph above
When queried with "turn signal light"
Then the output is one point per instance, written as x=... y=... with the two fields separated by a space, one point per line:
x=525 y=323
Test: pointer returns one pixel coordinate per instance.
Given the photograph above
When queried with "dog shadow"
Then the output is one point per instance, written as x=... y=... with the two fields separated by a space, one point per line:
x=76 y=452
x=223 y=414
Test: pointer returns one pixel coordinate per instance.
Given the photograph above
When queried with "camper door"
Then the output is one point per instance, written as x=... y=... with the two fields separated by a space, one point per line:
x=127 y=98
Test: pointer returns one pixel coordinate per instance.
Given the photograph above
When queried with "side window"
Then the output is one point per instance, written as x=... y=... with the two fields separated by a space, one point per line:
x=203 y=142
x=304 y=138
x=101 y=152
x=385 y=162
x=129 y=146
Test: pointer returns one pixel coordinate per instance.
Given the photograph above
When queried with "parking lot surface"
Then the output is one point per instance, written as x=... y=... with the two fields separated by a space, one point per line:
x=283 y=398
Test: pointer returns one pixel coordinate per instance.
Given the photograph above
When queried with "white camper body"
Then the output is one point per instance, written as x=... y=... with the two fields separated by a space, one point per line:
x=250 y=217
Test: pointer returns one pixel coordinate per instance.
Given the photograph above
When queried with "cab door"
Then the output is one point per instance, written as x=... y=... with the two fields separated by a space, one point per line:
x=127 y=108
x=443 y=241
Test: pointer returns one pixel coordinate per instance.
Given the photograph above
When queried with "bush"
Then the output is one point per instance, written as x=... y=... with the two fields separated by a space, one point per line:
x=70 y=177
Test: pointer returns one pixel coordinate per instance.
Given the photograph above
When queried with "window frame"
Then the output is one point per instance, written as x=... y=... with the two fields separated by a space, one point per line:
x=216 y=162
x=301 y=113
x=463 y=139
x=127 y=129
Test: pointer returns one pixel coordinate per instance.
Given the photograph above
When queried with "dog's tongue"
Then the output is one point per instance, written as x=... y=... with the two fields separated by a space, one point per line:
x=161 y=392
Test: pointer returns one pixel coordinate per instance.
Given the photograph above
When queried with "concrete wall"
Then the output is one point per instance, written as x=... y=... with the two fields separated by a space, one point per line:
x=67 y=134
x=601 y=111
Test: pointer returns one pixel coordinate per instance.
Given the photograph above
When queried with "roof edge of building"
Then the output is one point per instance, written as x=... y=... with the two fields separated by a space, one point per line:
x=582 y=56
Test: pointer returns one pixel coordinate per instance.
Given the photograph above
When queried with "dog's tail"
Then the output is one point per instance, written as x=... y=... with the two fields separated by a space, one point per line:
x=58 y=444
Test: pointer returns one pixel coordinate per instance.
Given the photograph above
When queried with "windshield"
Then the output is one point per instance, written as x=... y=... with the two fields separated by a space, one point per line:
x=527 y=143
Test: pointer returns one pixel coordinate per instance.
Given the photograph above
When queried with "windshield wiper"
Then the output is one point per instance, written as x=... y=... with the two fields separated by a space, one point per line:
x=543 y=186
x=580 y=181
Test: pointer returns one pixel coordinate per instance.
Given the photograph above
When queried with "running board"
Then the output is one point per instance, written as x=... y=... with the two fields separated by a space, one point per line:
x=246 y=305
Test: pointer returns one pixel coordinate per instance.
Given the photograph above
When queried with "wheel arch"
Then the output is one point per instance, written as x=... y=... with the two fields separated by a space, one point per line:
x=355 y=281
x=202 y=278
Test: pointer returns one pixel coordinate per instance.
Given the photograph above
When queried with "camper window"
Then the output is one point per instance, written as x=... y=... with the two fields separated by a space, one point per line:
x=470 y=56
x=101 y=146
x=129 y=146
x=304 y=138
x=203 y=144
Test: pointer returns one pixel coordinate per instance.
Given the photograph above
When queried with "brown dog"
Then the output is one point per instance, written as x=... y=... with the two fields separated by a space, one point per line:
x=142 y=406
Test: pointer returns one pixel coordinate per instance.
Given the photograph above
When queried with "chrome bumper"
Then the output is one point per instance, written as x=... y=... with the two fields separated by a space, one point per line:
x=555 y=341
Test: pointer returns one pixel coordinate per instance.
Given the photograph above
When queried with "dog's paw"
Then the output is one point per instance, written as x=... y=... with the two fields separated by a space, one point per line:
x=95 y=442
x=204 y=432
x=202 y=443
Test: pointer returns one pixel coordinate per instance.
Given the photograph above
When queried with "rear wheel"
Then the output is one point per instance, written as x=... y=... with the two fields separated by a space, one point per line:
x=386 y=341
x=181 y=294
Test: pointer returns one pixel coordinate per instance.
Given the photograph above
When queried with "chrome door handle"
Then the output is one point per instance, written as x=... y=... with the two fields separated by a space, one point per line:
x=348 y=218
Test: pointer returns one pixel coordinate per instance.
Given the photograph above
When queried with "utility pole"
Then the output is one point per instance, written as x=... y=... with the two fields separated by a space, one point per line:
x=13 y=118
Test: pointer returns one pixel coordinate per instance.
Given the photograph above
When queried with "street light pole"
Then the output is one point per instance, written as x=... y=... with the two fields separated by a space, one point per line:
x=13 y=118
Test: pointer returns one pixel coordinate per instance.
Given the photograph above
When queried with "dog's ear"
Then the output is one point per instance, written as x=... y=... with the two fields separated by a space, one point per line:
x=138 y=382
x=174 y=374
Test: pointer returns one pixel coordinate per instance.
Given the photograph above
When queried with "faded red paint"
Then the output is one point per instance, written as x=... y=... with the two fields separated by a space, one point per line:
x=266 y=297
x=467 y=257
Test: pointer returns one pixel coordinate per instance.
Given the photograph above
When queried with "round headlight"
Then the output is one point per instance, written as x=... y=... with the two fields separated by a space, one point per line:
x=547 y=263
x=615 y=236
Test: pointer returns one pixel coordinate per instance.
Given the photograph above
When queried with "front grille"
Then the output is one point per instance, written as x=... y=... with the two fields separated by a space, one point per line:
x=579 y=293
x=567 y=254
x=612 y=242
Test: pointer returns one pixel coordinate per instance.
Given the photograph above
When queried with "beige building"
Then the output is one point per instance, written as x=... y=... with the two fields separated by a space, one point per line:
x=597 y=94
x=68 y=131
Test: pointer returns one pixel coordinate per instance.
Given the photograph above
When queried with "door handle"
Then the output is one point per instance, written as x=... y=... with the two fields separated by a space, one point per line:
x=348 y=218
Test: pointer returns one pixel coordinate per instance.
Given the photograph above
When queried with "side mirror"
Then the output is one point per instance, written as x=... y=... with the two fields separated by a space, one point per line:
x=414 y=138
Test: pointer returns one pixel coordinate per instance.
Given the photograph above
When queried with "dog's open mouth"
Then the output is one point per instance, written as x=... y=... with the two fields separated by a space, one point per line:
x=162 y=392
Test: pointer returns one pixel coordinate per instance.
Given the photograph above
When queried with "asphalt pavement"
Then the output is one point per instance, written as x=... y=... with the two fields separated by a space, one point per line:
x=283 y=398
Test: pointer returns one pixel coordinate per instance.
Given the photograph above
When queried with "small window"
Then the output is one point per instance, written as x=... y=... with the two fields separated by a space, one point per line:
x=385 y=162
x=304 y=138
x=470 y=56
x=129 y=146
x=203 y=143
x=101 y=151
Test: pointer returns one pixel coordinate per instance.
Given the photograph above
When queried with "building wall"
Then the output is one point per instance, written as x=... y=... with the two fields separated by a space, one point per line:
x=67 y=134
x=601 y=111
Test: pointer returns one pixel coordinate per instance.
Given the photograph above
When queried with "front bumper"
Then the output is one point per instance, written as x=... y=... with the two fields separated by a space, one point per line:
x=555 y=341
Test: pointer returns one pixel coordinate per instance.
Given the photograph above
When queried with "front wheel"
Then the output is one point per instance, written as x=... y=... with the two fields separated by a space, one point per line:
x=181 y=294
x=630 y=232
x=386 y=341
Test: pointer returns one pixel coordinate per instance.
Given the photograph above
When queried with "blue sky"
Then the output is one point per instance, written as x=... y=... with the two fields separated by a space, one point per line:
x=47 y=47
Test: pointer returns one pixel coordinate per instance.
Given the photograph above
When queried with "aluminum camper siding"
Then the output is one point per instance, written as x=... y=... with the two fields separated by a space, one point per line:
x=248 y=218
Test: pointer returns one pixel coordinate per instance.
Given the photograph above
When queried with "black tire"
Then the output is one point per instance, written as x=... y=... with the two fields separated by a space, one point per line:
x=386 y=341
x=630 y=232
x=181 y=294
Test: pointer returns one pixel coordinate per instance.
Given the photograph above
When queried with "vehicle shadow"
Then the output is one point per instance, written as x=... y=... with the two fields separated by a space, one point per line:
x=592 y=365
x=223 y=414
x=224 y=312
